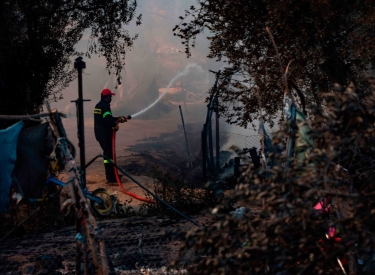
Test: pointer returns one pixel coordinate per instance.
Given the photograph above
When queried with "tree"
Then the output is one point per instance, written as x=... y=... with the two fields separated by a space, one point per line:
x=328 y=48
x=38 y=39
x=327 y=42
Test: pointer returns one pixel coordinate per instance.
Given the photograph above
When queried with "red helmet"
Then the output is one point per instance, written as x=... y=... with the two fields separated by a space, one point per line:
x=106 y=92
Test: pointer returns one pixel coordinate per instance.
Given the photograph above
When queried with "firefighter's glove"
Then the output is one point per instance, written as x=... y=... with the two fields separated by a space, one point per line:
x=116 y=127
x=122 y=119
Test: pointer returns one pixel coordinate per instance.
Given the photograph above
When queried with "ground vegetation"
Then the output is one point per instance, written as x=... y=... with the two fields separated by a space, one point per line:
x=323 y=61
x=279 y=230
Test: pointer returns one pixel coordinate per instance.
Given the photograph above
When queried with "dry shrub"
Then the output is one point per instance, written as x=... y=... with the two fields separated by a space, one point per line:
x=288 y=235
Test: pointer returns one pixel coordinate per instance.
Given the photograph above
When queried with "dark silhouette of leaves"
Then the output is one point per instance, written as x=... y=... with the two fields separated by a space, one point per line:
x=334 y=46
x=38 y=38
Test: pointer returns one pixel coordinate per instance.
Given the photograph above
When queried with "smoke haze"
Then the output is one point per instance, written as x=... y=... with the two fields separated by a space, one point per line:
x=156 y=58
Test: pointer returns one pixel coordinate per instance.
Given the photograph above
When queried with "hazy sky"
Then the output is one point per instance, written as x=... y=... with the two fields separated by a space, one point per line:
x=157 y=55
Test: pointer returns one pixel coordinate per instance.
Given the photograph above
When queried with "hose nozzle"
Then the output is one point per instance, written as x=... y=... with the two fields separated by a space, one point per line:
x=129 y=117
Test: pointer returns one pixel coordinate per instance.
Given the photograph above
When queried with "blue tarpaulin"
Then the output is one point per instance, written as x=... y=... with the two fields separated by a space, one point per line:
x=8 y=149
x=269 y=148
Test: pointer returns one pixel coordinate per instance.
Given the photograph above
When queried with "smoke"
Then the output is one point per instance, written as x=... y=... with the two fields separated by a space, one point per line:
x=106 y=84
x=156 y=53
x=180 y=74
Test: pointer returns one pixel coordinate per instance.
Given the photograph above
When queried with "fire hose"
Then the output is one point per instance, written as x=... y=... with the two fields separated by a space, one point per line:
x=159 y=200
x=116 y=172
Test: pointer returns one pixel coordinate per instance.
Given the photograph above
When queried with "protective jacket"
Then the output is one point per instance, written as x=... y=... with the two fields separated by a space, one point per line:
x=103 y=121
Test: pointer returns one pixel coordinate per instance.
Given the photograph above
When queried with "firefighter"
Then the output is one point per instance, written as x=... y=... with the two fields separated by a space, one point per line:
x=104 y=123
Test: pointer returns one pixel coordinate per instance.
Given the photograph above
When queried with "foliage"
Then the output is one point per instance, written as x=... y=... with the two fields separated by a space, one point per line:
x=334 y=46
x=38 y=39
x=288 y=235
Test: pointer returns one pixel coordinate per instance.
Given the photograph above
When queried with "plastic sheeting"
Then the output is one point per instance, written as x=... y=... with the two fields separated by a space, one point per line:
x=31 y=169
x=304 y=143
x=8 y=149
x=269 y=148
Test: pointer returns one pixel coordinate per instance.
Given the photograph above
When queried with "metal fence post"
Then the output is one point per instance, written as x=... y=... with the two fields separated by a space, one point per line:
x=79 y=64
x=211 y=149
x=186 y=139
x=217 y=136
x=204 y=153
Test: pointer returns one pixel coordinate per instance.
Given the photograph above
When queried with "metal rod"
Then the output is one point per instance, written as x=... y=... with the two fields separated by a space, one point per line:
x=210 y=144
x=81 y=129
x=208 y=127
x=187 y=144
x=85 y=192
x=79 y=64
x=26 y=117
x=217 y=143
x=204 y=153
x=212 y=96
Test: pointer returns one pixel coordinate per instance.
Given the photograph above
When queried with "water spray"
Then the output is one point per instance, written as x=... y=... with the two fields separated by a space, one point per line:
x=180 y=74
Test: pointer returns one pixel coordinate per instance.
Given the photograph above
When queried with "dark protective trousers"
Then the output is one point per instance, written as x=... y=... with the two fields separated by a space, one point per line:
x=107 y=151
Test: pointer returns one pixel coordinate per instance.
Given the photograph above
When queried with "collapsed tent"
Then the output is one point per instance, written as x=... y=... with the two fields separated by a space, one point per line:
x=25 y=161
x=298 y=145
x=304 y=143
x=267 y=147
x=31 y=169
x=269 y=150
x=8 y=147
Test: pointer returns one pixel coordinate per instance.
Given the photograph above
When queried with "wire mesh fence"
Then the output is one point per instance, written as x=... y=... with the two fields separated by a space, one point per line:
x=228 y=139
x=133 y=244
x=176 y=144
x=227 y=142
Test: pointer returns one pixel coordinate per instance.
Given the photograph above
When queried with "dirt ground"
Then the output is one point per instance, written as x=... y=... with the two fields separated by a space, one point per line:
x=123 y=236
x=95 y=179
x=134 y=158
